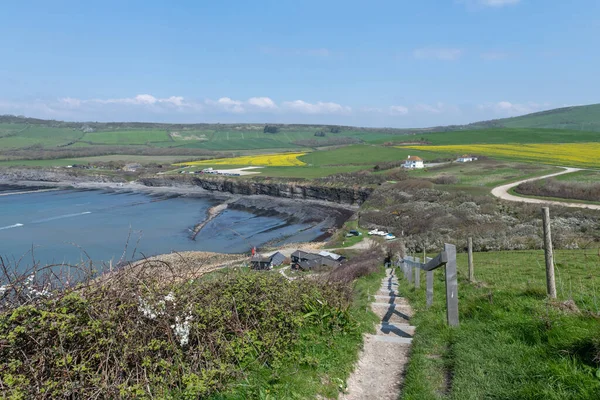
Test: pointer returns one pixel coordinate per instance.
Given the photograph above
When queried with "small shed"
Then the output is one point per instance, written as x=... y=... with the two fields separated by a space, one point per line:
x=305 y=261
x=259 y=262
x=277 y=259
x=466 y=158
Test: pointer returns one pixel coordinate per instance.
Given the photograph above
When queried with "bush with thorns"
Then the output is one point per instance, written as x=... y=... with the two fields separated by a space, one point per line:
x=142 y=333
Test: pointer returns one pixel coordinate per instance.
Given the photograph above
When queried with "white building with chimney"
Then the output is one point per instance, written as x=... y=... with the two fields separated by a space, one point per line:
x=414 y=162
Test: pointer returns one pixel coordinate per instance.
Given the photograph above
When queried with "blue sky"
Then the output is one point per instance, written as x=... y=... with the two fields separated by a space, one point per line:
x=379 y=63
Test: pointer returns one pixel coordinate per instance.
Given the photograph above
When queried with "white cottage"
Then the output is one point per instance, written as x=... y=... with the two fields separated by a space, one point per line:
x=466 y=158
x=413 y=162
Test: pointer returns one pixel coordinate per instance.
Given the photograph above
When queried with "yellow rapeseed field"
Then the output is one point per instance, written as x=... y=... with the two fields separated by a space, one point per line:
x=263 y=160
x=562 y=154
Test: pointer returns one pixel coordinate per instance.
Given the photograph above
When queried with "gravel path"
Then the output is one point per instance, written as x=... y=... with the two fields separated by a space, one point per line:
x=379 y=372
x=502 y=192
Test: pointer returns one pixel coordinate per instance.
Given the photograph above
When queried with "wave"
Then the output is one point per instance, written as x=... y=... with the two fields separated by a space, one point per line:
x=61 y=217
x=27 y=192
x=10 y=226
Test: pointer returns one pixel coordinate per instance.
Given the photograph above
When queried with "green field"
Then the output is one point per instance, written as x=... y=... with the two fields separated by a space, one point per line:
x=364 y=154
x=512 y=342
x=122 y=158
x=580 y=176
x=321 y=163
x=127 y=137
x=509 y=135
x=487 y=173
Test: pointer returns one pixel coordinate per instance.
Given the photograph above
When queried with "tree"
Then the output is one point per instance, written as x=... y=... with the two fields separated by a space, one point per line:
x=270 y=129
x=320 y=134
x=335 y=129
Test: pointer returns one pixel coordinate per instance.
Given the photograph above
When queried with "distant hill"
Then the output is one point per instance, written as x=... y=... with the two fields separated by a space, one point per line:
x=580 y=118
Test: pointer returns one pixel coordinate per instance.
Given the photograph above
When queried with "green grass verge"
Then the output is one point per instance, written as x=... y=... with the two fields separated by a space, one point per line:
x=326 y=361
x=512 y=342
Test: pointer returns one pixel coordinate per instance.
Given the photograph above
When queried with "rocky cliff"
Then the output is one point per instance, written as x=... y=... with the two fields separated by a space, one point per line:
x=290 y=190
x=303 y=190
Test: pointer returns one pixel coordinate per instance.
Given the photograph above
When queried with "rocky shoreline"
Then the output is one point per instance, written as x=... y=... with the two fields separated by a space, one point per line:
x=345 y=196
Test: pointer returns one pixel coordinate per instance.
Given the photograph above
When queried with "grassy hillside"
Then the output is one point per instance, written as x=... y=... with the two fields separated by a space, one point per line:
x=583 y=118
x=509 y=135
x=24 y=133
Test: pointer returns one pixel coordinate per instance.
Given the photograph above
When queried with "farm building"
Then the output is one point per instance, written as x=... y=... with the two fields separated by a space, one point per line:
x=466 y=158
x=305 y=261
x=414 y=162
x=259 y=262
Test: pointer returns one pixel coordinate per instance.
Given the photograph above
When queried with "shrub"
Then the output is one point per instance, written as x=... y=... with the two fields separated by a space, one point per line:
x=564 y=190
x=130 y=335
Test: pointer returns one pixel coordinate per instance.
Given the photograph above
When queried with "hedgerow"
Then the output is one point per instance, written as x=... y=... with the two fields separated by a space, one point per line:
x=125 y=337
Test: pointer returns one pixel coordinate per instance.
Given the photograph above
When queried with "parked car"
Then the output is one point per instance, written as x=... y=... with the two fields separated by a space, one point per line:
x=354 y=232
x=389 y=236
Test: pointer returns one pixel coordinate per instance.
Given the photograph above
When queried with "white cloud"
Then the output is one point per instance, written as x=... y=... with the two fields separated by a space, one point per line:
x=437 y=53
x=227 y=104
x=316 y=108
x=262 y=102
x=398 y=110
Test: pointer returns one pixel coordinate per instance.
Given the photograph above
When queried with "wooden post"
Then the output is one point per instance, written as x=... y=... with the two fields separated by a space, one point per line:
x=429 y=288
x=550 y=283
x=451 y=286
x=471 y=272
x=417 y=275
x=410 y=272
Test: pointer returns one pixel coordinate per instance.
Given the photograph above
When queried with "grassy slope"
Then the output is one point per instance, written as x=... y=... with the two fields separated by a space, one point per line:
x=585 y=118
x=510 y=135
x=512 y=343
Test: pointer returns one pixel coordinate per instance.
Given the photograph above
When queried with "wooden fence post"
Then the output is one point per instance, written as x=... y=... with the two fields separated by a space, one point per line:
x=417 y=275
x=451 y=286
x=471 y=272
x=429 y=288
x=550 y=283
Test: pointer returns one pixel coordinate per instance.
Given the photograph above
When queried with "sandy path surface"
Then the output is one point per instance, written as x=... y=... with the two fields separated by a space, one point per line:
x=379 y=372
x=502 y=192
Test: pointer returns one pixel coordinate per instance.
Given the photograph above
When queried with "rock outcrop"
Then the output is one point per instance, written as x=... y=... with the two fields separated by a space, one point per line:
x=290 y=190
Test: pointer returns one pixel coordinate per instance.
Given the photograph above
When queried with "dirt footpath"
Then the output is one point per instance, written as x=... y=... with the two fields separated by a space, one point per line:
x=379 y=372
x=502 y=192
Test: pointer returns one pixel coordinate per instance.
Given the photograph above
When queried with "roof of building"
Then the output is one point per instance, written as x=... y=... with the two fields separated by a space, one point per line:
x=306 y=255
x=330 y=255
x=414 y=158
x=466 y=156
x=259 y=258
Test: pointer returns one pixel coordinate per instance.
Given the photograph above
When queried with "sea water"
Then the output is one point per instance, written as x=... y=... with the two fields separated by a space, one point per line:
x=70 y=226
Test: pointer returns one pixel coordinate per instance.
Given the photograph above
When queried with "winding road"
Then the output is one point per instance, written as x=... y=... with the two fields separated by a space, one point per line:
x=502 y=192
